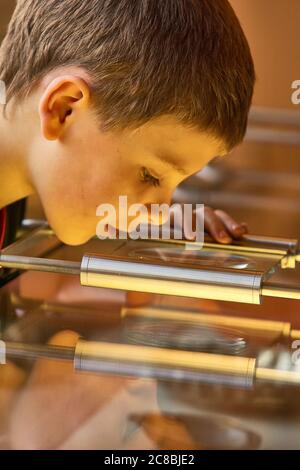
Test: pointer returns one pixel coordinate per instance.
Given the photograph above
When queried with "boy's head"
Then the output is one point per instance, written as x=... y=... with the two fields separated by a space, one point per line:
x=122 y=97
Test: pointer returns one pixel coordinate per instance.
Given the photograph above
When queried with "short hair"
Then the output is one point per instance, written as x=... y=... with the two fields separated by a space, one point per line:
x=145 y=59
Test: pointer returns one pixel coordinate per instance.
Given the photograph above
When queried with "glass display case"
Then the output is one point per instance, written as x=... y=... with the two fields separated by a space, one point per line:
x=92 y=363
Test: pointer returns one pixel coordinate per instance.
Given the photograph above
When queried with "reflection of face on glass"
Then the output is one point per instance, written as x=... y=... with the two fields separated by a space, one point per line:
x=180 y=255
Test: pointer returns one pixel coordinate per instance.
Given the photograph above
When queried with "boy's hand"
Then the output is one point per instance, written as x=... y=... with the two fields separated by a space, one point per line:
x=221 y=227
x=218 y=224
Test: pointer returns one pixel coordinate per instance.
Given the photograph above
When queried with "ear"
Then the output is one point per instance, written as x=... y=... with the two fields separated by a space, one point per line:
x=60 y=103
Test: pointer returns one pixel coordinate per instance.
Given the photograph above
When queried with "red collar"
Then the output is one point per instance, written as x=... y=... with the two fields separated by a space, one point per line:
x=3 y=224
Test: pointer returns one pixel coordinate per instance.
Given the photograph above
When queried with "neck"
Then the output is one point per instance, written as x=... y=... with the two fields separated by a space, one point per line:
x=14 y=180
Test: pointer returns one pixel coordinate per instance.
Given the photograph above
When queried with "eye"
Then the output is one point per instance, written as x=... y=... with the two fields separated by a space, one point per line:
x=147 y=177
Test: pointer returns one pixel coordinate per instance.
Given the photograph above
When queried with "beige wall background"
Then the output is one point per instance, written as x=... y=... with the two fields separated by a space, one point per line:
x=273 y=30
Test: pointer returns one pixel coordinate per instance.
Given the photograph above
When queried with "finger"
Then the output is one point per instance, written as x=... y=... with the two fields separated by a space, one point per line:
x=245 y=225
x=235 y=229
x=179 y=223
x=215 y=227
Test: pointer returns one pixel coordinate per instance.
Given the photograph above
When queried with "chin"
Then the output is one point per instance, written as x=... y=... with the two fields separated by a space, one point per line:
x=73 y=238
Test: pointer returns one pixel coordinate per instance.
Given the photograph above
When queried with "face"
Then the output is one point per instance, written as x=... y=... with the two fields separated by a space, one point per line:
x=75 y=166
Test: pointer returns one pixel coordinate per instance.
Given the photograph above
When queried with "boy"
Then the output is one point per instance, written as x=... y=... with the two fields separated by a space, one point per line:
x=109 y=98
x=119 y=97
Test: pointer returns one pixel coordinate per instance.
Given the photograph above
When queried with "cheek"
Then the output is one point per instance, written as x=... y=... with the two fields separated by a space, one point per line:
x=100 y=184
x=110 y=179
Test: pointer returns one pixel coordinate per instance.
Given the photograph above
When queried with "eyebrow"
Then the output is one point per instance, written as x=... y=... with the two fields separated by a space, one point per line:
x=170 y=161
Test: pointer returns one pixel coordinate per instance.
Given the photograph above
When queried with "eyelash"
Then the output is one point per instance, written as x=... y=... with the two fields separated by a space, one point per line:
x=146 y=177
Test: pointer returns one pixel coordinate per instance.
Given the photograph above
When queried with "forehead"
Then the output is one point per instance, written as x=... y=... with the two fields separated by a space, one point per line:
x=188 y=147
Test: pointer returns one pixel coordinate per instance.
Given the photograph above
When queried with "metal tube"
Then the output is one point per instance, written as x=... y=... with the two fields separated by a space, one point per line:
x=290 y=245
x=158 y=279
x=260 y=244
x=170 y=280
x=281 y=291
x=276 y=376
x=161 y=364
x=166 y=364
x=39 y=264
x=39 y=351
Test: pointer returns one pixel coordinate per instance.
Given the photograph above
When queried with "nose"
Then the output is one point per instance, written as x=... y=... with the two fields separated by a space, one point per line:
x=158 y=213
x=163 y=200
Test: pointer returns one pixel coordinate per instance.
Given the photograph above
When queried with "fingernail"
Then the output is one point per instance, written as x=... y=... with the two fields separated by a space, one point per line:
x=224 y=237
x=190 y=238
x=239 y=230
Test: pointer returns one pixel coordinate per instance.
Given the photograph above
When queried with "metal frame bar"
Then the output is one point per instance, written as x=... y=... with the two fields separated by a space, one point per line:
x=99 y=271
